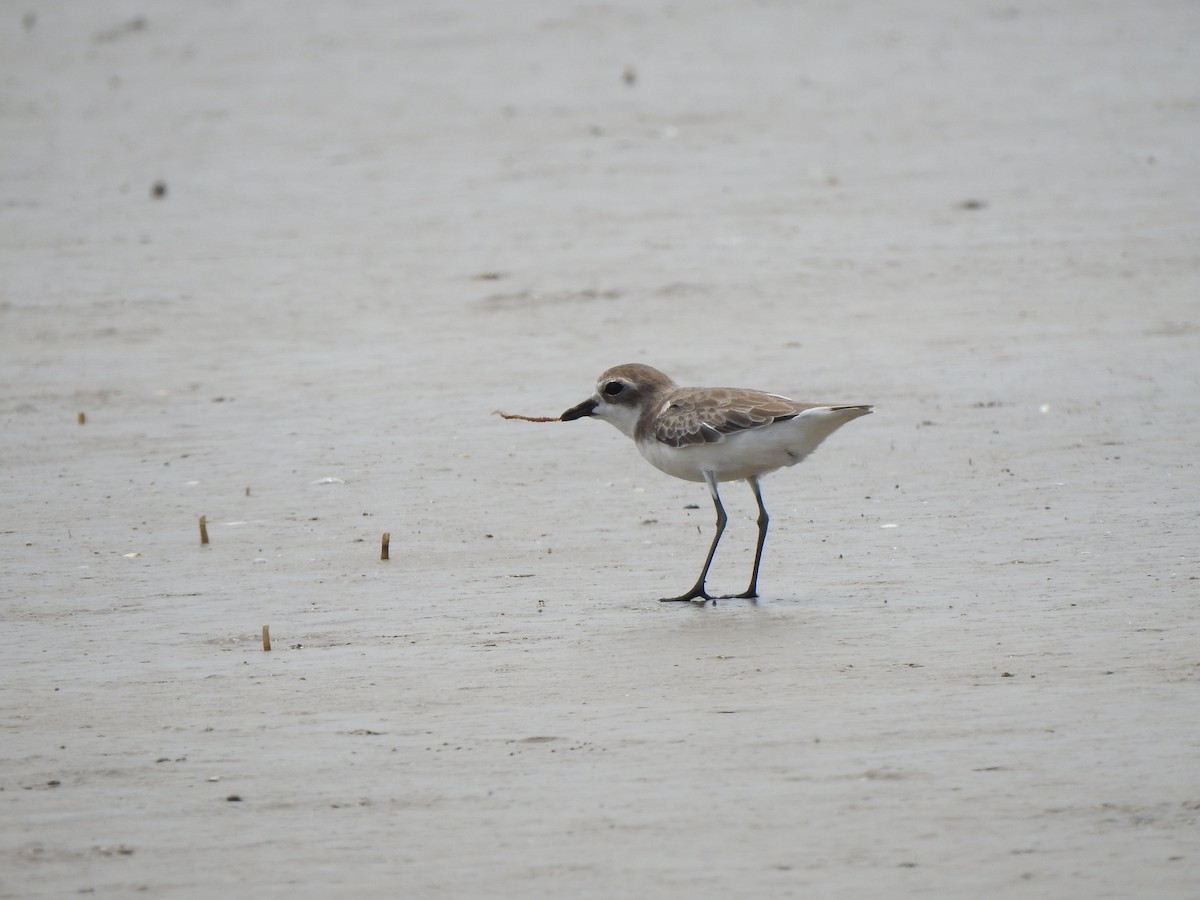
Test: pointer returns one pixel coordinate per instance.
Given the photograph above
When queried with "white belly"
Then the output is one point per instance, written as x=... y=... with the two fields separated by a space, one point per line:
x=754 y=451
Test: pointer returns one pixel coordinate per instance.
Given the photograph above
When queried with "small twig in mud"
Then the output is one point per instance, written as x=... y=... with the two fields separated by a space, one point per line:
x=266 y=638
x=204 y=529
x=383 y=547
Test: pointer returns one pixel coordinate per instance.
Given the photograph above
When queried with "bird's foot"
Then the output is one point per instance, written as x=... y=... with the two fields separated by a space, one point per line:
x=696 y=593
x=748 y=594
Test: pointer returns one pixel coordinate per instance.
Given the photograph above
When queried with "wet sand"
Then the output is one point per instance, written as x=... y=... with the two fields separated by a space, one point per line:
x=975 y=667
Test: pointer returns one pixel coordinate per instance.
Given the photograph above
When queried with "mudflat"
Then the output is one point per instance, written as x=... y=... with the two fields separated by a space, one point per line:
x=278 y=266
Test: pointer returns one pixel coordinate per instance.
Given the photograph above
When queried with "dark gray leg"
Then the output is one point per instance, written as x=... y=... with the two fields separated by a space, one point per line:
x=763 y=521
x=697 y=591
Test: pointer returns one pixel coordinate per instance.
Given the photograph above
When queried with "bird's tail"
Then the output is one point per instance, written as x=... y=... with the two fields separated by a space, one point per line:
x=815 y=424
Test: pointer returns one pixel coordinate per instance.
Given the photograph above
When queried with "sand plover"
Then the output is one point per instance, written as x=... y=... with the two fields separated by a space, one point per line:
x=712 y=435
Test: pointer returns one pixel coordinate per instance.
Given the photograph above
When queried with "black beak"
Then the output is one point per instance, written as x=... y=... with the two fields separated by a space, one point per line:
x=584 y=409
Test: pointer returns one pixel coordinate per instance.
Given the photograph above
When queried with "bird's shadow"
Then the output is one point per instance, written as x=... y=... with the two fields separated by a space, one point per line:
x=759 y=602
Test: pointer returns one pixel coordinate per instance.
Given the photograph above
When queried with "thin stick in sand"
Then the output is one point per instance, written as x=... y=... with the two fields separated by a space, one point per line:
x=383 y=547
x=81 y=418
x=266 y=638
x=204 y=529
x=505 y=415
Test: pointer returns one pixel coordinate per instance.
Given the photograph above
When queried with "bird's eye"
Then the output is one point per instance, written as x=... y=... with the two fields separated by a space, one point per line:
x=613 y=388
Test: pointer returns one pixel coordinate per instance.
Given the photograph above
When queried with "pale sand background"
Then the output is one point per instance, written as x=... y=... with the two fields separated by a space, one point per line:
x=997 y=697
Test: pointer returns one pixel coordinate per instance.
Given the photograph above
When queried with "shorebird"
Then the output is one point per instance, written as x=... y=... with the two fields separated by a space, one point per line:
x=712 y=435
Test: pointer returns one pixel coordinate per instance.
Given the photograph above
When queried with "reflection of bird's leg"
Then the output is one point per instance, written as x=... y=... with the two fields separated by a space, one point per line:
x=697 y=590
x=763 y=520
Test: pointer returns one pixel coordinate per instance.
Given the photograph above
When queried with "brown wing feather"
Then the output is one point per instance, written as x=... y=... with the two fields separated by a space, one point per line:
x=706 y=416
